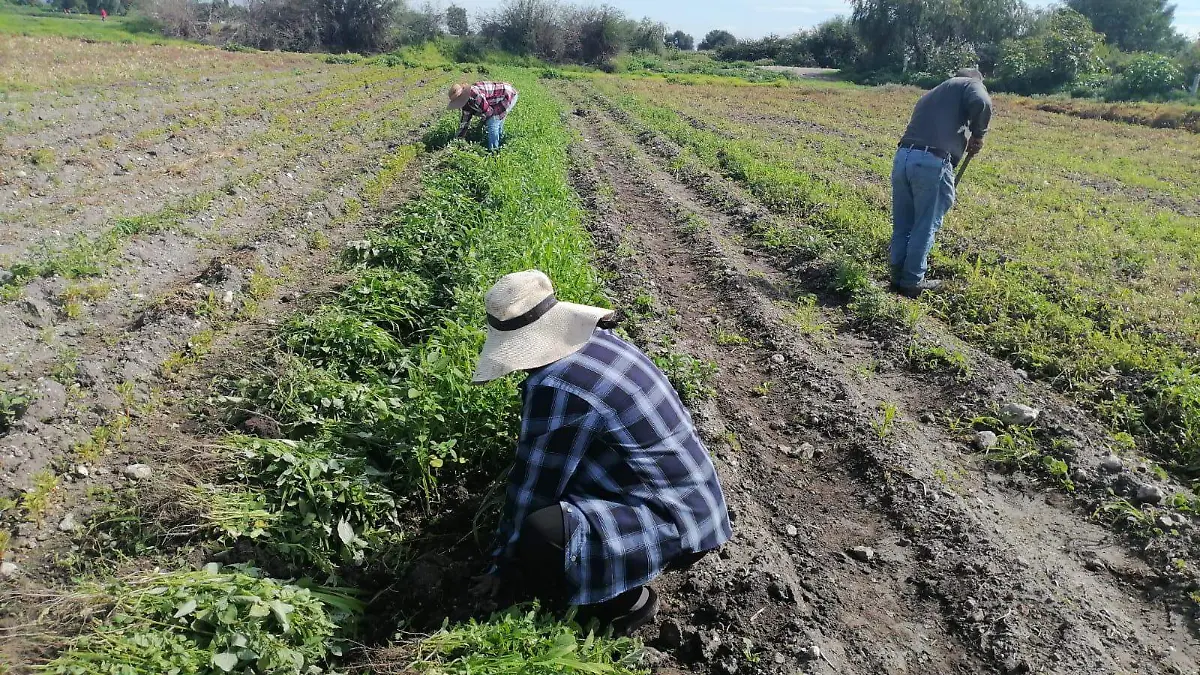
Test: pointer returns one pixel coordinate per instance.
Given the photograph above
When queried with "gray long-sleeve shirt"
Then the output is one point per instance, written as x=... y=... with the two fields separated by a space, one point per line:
x=945 y=114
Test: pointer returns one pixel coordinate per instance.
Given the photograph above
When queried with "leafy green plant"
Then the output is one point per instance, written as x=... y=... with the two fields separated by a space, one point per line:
x=936 y=358
x=518 y=641
x=887 y=421
x=36 y=500
x=12 y=405
x=690 y=376
x=208 y=621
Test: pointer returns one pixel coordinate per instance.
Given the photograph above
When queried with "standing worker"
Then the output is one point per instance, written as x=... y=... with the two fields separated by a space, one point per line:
x=950 y=118
x=103 y=14
x=490 y=100
x=611 y=485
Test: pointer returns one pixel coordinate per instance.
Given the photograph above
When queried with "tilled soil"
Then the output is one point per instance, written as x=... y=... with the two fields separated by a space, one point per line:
x=119 y=374
x=168 y=288
x=968 y=569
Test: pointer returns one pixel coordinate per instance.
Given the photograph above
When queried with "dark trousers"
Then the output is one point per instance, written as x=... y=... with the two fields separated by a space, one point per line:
x=540 y=555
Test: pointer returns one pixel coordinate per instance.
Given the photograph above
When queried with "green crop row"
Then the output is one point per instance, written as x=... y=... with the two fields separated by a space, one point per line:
x=1137 y=380
x=375 y=414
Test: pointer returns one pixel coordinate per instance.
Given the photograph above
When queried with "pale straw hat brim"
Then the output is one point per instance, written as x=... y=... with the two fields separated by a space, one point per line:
x=461 y=100
x=558 y=333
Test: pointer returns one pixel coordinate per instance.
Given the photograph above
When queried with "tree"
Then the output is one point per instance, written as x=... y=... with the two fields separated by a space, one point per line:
x=1132 y=25
x=833 y=44
x=681 y=41
x=1057 y=55
x=456 y=21
x=715 y=39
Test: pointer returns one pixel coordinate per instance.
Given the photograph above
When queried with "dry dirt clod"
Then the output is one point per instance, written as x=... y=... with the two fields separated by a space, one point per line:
x=985 y=440
x=1112 y=464
x=670 y=635
x=1018 y=414
x=810 y=653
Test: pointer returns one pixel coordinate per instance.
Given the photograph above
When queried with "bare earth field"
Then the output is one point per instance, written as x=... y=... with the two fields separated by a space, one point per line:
x=240 y=298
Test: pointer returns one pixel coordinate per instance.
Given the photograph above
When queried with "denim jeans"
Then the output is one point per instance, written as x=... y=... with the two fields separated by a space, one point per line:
x=922 y=192
x=495 y=127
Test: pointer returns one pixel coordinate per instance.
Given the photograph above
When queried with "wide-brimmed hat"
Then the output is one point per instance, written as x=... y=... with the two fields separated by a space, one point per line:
x=528 y=327
x=459 y=95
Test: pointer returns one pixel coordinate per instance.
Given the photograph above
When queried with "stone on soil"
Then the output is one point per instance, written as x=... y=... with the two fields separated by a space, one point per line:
x=8 y=570
x=792 y=531
x=1150 y=494
x=137 y=471
x=862 y=553
x=1018 y=414
x=810 y=653
x=68 y=524
x=1112 y=464
x=777 y=358
x=985 y=440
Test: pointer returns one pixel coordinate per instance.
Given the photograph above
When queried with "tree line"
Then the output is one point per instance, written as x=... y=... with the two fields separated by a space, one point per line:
x=1116 y=49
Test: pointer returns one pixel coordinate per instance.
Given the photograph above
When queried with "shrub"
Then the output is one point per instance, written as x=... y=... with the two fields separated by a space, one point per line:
x=1148 y=75
x=1064 y=51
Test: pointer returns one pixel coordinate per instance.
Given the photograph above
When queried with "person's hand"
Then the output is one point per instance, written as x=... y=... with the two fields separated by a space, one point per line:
x=486 y=585
x=975 y=144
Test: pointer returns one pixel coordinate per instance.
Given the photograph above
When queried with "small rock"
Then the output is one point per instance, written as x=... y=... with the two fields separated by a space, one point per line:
x=8 y=570
x=780 y=591
x=777 y=358
x=1018 y=414
x=807 y=451
x=5 y=276
x=1021 y=374
x=928 y=418
x=670 y=635
x=862 y=553
x=1081 y=476
x=1014 y=666
x=985 y=440
x=1112 y=464
x=137 y=471
x=652 y=657
x=810 y=653
x=68 y=524
x=1150 y=494
x=792 y=531
x=81 y=470
x=227 y=299
x=1166 y=522
x=726 y=667
x=780 y=658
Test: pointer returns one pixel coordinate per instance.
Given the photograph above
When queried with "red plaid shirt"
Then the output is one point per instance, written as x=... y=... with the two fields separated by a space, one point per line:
x=488 y=99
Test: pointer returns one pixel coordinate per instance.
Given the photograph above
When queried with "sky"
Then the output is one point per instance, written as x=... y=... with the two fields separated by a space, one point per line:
x=756 y=18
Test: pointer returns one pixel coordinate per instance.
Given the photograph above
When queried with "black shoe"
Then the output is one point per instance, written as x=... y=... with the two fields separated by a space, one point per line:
x=642 y=614
x=916 y=291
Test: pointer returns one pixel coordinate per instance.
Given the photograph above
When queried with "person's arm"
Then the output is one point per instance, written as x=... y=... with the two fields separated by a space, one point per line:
x=501 y=109
x=979 y=114
x=485 y=106
x=463 y=122
x=556 y=430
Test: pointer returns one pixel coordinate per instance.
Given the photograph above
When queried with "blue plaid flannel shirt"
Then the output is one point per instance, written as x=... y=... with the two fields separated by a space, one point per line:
x=604 y=435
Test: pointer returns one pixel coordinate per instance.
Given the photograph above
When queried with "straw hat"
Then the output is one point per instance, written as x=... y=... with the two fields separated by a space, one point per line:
x=459 y=95
x=529 y=328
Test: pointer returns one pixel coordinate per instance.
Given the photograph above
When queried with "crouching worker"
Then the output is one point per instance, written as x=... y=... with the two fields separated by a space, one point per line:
x=491 y=101
x=611 y=485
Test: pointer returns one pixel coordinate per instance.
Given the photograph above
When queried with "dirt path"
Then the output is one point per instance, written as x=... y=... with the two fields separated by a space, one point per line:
x=971 y=570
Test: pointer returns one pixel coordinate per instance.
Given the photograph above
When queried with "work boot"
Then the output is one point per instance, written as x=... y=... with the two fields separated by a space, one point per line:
x=641 y=614
x=896 y=271
x=916 y=291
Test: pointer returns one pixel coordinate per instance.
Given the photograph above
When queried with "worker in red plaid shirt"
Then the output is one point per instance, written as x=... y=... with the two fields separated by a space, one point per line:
x=489 y=100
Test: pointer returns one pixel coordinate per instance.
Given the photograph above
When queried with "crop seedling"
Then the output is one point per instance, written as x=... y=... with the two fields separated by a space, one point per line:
x=12 y=405
x=36 y=500
x=690 y=376
x=887 y=421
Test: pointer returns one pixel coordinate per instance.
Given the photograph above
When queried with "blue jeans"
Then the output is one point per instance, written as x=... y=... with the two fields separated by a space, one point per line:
x=922 y=192
x=495 y=127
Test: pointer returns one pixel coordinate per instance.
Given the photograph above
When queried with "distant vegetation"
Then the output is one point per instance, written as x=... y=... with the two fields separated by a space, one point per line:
x=1111 y=49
